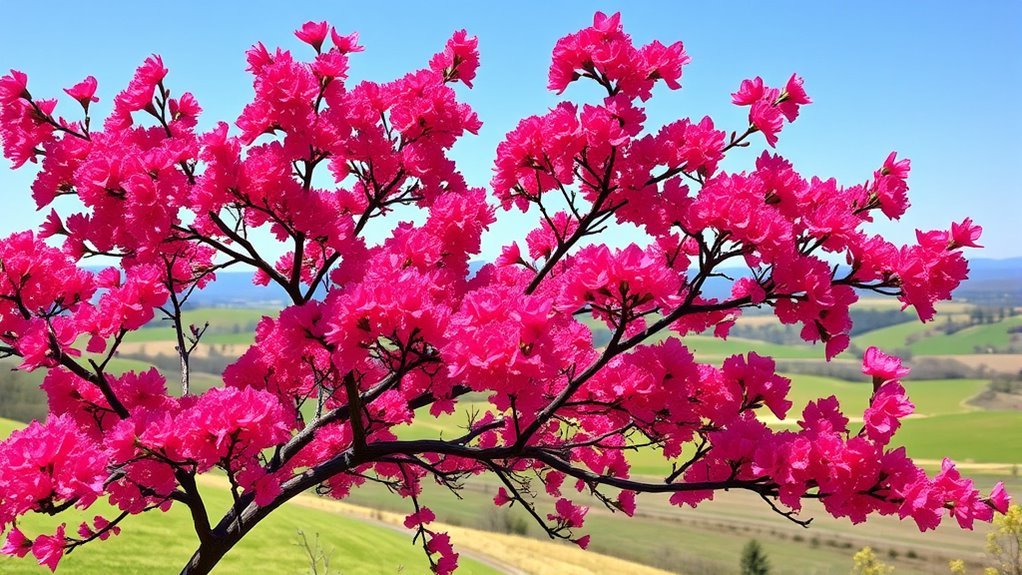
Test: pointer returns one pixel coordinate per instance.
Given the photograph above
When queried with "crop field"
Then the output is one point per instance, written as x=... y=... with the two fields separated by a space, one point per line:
x=1006 y=363
x=931 y=397
x=982 y=436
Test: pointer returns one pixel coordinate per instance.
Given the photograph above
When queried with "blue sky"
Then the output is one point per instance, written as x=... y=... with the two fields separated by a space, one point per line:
x=936 y=81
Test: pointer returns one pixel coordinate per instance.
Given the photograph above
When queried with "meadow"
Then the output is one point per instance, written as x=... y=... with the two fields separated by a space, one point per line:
x=358 y=540
x=704 y=540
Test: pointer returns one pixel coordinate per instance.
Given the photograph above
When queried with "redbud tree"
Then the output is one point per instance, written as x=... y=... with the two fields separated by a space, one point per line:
x=377 y=334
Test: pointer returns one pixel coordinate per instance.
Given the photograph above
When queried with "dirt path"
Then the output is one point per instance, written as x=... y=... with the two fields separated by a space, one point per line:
x=510 y=554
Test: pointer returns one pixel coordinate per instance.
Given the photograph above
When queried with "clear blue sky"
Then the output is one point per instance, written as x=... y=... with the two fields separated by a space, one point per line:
x=937 y=81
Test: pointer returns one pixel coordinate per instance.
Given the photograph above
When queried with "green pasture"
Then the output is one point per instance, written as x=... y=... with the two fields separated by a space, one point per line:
x=931 y=397
x=892 y=337
x=158 y=542
x=928 y=339
x=708 y=346
x=980 y=436
x=975 y=339
x=9 y=425
x=226 y=325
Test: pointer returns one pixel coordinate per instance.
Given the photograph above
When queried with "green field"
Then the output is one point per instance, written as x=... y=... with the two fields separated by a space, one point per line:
x=226 y=325
x=892 y=337
x=711 y=536
x=977 y=338
x=931 y=397
x=928 y=339
x=8 y=425
x=707 y=346
x=981 y=436
x=158 y=542
x=944 y=425
x=935 y=400
x=358 y=548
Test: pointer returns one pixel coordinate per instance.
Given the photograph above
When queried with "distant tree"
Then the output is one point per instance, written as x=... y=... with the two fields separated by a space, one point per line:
x=754 y=559
x=1004 y=542
x=867 y=563
x=319 y=557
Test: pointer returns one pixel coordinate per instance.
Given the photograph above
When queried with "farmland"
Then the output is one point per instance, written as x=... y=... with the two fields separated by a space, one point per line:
x=703 y=540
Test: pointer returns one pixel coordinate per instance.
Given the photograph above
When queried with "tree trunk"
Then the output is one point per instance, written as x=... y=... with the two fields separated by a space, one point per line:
x=206 y=557
x=245 y=515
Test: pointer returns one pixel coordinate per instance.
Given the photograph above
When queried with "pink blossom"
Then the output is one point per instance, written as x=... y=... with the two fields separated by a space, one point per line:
x=626 y=502
x=568 y=513
x=748 y=92
x=501 y=497
x=423 y=516
x=459 y=60
x=888 y=406
x=139 y=93
x=345 y=44
x=313 y=34
x=13 y=86
x=882 y=367
x=890 y=186
x=665 y=62
x=965 y=234
x=84 y=92
x=440 y=543
x=331 y=65
x=49 y=549
x=577 y=345
x=793 y=96
x=770 y=107
x=999 y=498
x=17 y=545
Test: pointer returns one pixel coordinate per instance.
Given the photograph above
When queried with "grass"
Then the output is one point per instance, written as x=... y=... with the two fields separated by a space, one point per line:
x=537 y=556
x=707 y=346
x=710 y=536
x=928 y=339
x=360 y=542
x=968 y=340
x=891 y=337
x=226 y=325
x=981 y=436
x=359 y=548
x=162 y=542
x=931 y=397
x=9 y=425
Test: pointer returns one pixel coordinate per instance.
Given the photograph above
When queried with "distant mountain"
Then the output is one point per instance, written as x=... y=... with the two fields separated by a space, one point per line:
x=991 y=282
x=995 y=282
x=235 y=289
x=986 y=265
